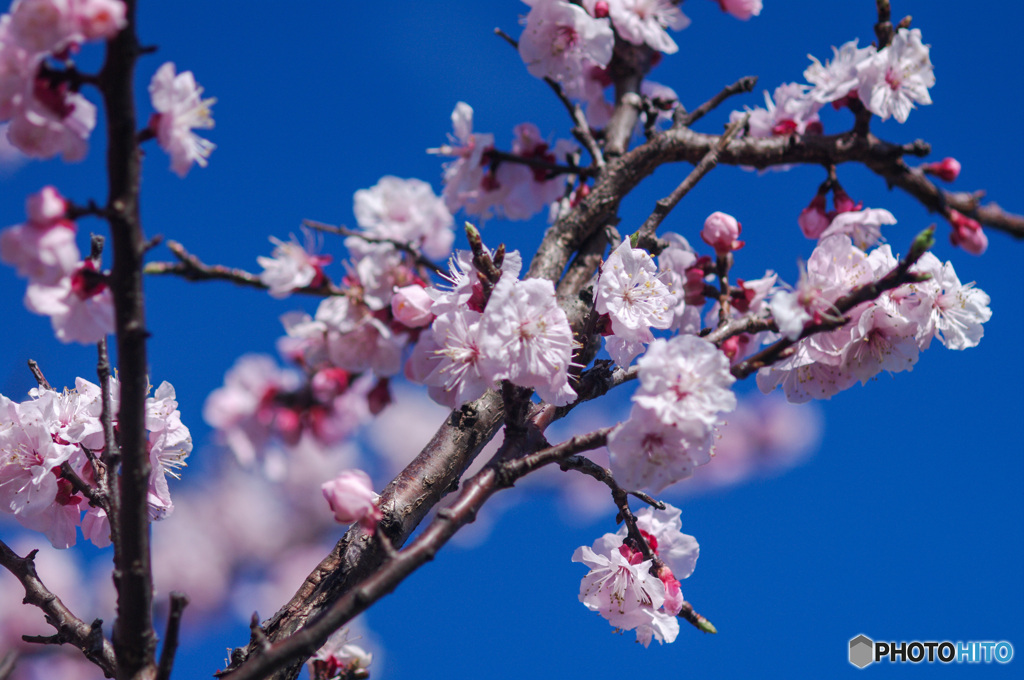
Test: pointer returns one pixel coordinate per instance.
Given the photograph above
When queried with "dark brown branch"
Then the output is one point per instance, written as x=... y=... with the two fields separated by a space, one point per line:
x=496 y=476
x=897 y=277
x=938 y=200
x=133 y=637
x=191 y=268
x=96 y=497
x=405 y=502
x=37 y=373
x=553 y=168
x=883 y=28
x=404 y=246
x=178 y=603
x=70 y=629
x=741 y=86
x=604 y=475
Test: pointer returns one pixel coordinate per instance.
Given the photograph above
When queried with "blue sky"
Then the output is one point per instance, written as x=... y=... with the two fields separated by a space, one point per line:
x=907 y=523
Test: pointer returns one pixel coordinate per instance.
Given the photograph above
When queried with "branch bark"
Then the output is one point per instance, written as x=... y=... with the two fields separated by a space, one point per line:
x=70 y=629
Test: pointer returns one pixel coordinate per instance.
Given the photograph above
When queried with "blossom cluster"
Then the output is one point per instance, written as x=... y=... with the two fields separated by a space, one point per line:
x=61 y=284
x=885 y=334
x=54 y=431
x=483 y=185
x=47 y=114
x=888 y=82
x=354 y=342
x=634 y=593
x=519 y=334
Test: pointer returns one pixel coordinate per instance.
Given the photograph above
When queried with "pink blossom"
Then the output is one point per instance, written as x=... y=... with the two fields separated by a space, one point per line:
x=790 y=111
x=897 y=77
x=80 y=306
x=621 y=588
x=644 y=22
x=948 y=169
x=407 y=211
x=741 y=9
x=967 y=233
x=52 y=120
x=180 y=108
x=448 y=359
x=339 y=658
x=685 y=380
x=633 y=296
x=44 y=253
x=837 y=78
x=410 y=306
x=862 y=226
x=352 y=499
x=524 y=191
x=100 y=19
x=291 y=267
x=464 y=176
x=721 y=232
x=527 y=339
x=647 y=453
x=561 y=41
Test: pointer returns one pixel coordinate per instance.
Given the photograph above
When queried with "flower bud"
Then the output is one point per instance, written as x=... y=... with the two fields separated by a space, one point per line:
x=813 y=220
x=351 y=498
x=410 y=306
x=842 y=201
x=967 y=233
x=721 y=232
x=948 y=169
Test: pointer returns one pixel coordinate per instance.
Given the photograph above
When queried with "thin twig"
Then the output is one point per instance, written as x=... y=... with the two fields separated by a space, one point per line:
x=405 y=247
x=37 y=373
x=741 y=86
x=191 y=268
x=581 y=128
x=554 y=169
x=696 y=619
x=178 y=603
x=604 y=475
x=70 y=629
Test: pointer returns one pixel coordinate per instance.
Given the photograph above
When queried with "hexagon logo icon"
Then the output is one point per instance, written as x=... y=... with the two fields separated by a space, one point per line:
x=862 y=651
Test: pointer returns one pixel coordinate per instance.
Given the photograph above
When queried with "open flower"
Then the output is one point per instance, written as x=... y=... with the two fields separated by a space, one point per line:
x=180 y=109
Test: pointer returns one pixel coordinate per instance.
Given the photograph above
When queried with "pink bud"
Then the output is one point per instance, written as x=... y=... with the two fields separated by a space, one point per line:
x=842 y=201
x=351 y=498
x=693 y=289
x=673 y=594
x=600 y=9
x=46 y=208
x=813 y=220
x=948 y=169
x=967 y=233
x=411 y=306
x=721 y=231
x=741 y=9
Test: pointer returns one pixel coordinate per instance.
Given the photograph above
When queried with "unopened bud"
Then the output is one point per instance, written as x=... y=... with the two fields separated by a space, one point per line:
x=967 y=233
x=948 y=169
x=721 y=232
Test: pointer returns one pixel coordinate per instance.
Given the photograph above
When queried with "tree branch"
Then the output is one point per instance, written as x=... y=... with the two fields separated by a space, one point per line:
x=498 y=474
x=741 y=86
x=178 y=603
x=37 y=373
x=134 y=638
x=70 y=629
